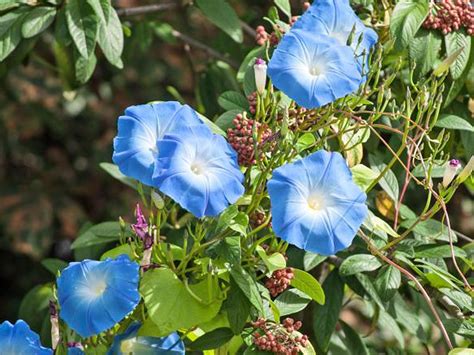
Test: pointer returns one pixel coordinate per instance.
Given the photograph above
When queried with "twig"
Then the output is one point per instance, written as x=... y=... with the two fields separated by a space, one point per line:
x=420 y=287
x=142 y=10
x=212 y=52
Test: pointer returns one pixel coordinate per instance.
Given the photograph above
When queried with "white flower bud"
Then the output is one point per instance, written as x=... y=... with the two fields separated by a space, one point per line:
x=450 y=171
x=260 y=70
x=467 y=171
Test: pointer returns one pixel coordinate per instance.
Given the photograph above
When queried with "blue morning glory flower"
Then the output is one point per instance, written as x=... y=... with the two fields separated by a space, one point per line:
x=336 y=19
x=139 y=129
x=199 y=170
x=129 y=343
x=313 y=69
x=74 y=351
x=315 y=204
x=95 y=295
x=19 y=339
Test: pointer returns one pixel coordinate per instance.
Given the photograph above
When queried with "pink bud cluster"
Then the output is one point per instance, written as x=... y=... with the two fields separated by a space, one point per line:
x=252 y=99
x=279 y=338
x=241 y=138
x=279 y=281
x=451 y=15
x=262 y=36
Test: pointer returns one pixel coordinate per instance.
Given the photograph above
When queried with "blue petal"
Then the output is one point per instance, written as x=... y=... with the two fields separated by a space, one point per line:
x=139 y=129
x=19 y=339
x=88 y=313
x=145 y=345
x=199 y=170
x=325 y=177
x=298 y=54
x=336 y=19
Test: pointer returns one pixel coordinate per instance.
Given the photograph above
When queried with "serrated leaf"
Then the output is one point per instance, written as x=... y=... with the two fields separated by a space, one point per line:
x=221 y=14
x=359 y=263
x=454 y=122
x=233 y=100
x=458 y=41
x=37 y=21
x=83 y=25
x=306 y=283
x=424 y=50
x=406 y=19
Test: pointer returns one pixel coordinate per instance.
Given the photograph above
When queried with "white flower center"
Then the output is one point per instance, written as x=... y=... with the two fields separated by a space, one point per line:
x=315 y=203
x=316 y=69
x=95 y=288
x=197 y=168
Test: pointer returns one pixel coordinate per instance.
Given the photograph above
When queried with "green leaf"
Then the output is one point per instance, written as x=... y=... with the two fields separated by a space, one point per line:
x=386 y=321
x=114 y=171
x=325 y=316
x=35 y=305
x=221 y=14
x=461 y=351
x=292 y=301
x=378 y=226
x=461 y=327
x=110 y=36
x=363 y=175
x=37 y=20
x=306 y=141
x=101 y=233
x=249 y=60
x=431 y=229
x=54 y=265
x=389 y=181
x=406 y=19
x=10 y=32
x=455 y=41
x=438 y=251
x=454 y=122
x=85 y=67
x=306 y=283
x=229 y=250
x=249 y=81
x=446 y=63
x=212 y=340
x=248 y=286
x=83 y=26
x=124 y=249
x=233 y=100
x=424 y=50
x=171 y=306
x=353 y=340
x=387 y=282
x=284 y=6
x=273 y=262
x=237 y=307
x=240 y=223
x=369 y=288
x=224 y=121
x=311 y=260
x=359 y=263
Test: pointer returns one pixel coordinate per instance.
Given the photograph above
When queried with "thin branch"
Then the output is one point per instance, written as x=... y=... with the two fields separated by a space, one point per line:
x=420 y=287
x=212 y=52
x=142 y=10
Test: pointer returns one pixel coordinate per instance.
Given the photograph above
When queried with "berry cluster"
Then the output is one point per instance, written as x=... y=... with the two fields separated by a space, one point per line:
x=252 y=99
x=279 y=281
x=241 y=138
x=451 y=15
x=279 y=338
x=257 y=218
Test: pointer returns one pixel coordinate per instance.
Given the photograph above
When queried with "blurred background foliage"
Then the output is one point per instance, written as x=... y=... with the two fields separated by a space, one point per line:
x=57 y=120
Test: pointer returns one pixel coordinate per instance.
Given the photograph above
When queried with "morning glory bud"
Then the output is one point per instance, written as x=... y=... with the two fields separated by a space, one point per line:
x=467 y=171
x=450 y=171
x=260 y=69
